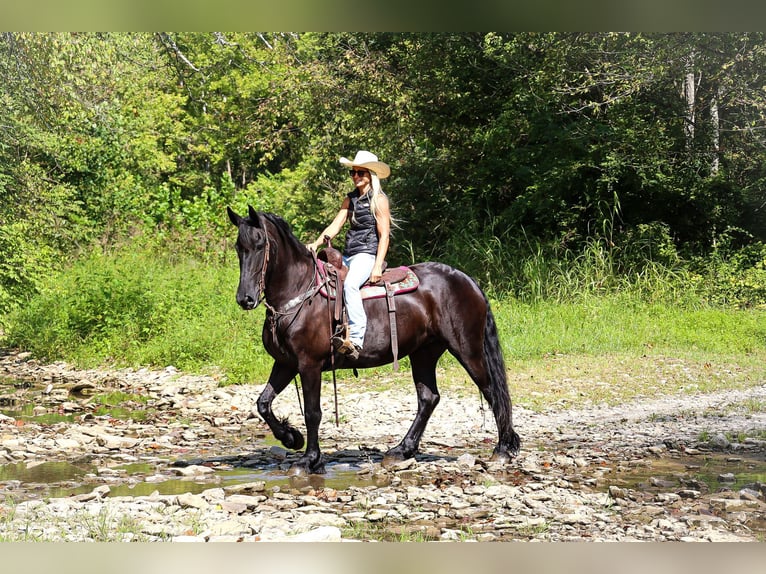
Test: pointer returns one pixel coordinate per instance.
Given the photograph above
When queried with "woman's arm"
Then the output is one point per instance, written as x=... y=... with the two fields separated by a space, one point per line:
x=384 y=232
x=335 y=227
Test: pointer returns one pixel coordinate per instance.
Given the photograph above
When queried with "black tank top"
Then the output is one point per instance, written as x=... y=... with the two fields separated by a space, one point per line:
x=362 y=235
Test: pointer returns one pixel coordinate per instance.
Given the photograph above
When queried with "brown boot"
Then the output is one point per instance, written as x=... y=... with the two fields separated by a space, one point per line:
x=346 y=347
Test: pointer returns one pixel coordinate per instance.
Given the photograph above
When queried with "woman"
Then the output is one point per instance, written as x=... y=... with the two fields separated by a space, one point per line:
x=367 y=239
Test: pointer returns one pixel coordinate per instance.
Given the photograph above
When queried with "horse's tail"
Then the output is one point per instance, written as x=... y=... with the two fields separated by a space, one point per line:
x=499 y=396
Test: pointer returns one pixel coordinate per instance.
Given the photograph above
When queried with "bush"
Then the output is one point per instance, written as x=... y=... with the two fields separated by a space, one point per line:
x=142 y=306
x=735 y=274
x=644 y=262
x=23 y=264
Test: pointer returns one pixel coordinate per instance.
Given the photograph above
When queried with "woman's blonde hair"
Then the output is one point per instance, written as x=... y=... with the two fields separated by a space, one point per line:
x=376 y=192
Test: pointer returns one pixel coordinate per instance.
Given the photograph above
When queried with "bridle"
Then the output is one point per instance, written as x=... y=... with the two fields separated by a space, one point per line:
x=262 y=279
x=297 y=302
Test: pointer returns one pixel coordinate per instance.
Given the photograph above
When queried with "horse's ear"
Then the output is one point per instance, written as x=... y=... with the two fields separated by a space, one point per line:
x=255 y=219
x=233 y=217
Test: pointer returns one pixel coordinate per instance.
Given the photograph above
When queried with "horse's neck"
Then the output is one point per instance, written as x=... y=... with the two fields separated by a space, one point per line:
x=291 y=274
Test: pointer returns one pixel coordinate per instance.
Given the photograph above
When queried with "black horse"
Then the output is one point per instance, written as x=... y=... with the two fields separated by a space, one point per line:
x=447 y=312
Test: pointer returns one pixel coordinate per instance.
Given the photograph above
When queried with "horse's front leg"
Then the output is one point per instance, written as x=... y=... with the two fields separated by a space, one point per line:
x=311 y=461
x=424 y=374
x=287 y=434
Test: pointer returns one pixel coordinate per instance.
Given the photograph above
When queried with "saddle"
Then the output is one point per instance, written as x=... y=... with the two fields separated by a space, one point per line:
x=392 y=282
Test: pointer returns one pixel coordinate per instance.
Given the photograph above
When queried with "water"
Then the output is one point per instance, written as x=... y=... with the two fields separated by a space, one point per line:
x=43 y=403
x=38 y=402
x=64 y=479
x=707 y=473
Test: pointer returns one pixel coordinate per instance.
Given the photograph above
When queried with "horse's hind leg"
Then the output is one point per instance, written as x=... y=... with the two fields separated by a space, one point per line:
x=488 y=372
x=424 y=374
x=284 y=432
x=508 y=440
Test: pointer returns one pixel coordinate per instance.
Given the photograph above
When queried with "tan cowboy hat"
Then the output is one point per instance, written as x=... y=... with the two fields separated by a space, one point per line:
x=369 y=161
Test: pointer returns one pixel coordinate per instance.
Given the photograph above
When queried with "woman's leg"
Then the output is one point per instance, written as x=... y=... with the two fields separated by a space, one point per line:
x=359 y=269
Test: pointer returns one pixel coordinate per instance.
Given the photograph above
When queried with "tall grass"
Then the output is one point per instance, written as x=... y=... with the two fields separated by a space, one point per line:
x=624 y=323
x=506 y=266
x=148 y=305
x=645 y=265
x=138 y=306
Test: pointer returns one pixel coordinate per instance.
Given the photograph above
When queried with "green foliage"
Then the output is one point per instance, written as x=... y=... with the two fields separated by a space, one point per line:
x=283 y=194
x=735 y=274
x=550 y=166
x=623 y=323
x=22 y=265
x=645 y=264
x=142 y=306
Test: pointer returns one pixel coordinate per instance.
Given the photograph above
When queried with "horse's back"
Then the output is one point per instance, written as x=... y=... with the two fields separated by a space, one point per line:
x=446 y=299
x=440 y=281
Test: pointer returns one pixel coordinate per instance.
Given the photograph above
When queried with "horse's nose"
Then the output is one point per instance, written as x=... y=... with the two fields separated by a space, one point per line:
x=246 y=302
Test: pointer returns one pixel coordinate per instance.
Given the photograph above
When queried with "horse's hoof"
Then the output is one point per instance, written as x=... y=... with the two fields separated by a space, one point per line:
x=395 y=459
x=293 y=440
x=501 y=456
x=304 y=468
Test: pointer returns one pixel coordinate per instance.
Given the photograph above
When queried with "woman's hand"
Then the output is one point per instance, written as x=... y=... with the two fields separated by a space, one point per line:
x=377 y=273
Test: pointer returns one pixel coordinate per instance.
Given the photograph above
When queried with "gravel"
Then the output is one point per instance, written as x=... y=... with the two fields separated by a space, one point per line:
x=193 y=462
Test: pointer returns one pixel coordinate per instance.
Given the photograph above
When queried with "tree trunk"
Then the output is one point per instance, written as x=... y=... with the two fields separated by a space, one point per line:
x=689 y=96
x=716 y=133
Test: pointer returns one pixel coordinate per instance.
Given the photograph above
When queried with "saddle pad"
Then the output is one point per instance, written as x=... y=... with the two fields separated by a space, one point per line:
x=409 y=283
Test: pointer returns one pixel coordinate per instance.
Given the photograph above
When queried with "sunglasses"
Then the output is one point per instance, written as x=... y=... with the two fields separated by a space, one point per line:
x=359 y=172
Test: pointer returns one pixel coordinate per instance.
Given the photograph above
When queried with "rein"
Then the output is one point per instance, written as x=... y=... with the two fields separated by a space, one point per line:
x=297 y=303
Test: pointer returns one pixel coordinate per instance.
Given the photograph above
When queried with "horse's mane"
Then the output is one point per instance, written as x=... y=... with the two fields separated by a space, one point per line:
x=283 y=228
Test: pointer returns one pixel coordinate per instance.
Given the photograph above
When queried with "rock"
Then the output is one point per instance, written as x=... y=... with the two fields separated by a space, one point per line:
x=376 y=515
x=257 y=486
x=719 y=441
x=575 y=518
x=689 y=493
x=466 y=460
x=193 y=470
x=187 y=500
x=321 y=534
x=112 y=442
x=279 y=452
x=733 y=504
x=667 y=497
x=616 y=492
x=580 y=474
x=227 y=528
x=247 y=500
x=96 y=494
x=398 y=466
x=233 y=507
x=750 y=494
x=67 y=443
x=662 y=483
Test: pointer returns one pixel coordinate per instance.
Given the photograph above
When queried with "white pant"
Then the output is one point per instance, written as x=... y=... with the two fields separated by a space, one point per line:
x=359 y=270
